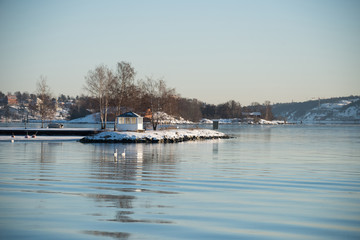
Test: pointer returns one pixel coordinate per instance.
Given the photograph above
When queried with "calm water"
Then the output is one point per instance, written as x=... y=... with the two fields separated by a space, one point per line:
x=270 y=182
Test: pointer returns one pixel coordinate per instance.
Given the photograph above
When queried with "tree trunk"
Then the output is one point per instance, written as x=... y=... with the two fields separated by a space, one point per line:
x=105 y=117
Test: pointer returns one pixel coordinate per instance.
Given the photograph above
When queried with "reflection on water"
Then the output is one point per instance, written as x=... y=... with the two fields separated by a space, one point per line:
x=270 y=182
x=116 y=235
x=71 y=171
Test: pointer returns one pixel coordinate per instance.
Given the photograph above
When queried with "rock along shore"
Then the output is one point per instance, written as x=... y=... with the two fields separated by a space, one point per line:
x=161 y=136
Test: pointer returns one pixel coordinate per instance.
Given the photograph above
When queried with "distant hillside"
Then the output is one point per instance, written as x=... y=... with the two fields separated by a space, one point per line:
x=343 y=109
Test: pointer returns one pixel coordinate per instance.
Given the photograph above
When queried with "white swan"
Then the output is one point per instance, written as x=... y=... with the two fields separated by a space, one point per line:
x=123 y=153
x=115 y=153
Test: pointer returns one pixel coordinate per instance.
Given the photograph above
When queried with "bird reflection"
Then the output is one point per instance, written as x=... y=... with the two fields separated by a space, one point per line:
x=115 y=154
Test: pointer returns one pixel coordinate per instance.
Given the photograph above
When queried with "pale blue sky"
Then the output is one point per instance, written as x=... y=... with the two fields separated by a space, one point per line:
x=256 y=50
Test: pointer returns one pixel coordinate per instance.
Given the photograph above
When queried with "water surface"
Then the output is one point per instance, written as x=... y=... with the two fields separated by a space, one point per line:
x=269 y=182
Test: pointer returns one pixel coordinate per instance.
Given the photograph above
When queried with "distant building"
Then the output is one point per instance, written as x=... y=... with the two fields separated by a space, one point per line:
x=251 y=117
x=11 y=100
x=252 y=114
x=148 y=114
x=129 y=121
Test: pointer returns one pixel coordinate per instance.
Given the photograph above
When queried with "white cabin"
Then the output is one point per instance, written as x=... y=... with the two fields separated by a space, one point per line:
x=129 y=121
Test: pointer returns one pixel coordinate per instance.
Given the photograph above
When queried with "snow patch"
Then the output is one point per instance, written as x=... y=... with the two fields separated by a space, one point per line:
x=155 y=136
x=274 y=122
x=91 y=118
x=168 y=119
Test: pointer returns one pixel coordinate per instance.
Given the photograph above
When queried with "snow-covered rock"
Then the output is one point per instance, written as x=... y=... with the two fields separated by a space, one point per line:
x=206 y=121
x=165 y=118
x=165 y=136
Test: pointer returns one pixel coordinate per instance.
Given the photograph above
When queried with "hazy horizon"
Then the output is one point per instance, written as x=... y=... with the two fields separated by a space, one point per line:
x=215 y=51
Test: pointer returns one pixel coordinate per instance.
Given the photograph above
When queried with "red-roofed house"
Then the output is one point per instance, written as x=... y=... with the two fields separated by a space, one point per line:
x=11 y=99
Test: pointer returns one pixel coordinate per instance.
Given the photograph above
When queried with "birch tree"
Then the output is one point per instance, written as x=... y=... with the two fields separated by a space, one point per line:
x=121 y=88
x=98 y=84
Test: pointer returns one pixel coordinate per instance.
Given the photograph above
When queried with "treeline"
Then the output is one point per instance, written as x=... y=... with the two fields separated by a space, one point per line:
x=190 y=109
x=114 y=91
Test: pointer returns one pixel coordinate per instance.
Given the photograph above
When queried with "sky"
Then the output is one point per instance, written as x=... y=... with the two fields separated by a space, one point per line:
x=212 y=50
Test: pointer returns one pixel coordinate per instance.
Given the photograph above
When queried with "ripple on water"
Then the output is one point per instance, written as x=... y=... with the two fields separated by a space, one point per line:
x=285 y=182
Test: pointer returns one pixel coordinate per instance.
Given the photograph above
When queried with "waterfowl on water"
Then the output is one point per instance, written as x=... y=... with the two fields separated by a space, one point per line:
x=123 y=153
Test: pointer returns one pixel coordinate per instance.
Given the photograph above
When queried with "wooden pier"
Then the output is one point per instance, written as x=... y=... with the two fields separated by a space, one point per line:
x=49 y=131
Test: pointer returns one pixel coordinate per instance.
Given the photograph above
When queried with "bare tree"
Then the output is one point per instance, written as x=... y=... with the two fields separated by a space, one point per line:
x=150 y=90
x=122 y=86
x=268 y=112
x=159 y=96
x=98 y=84
x=44 y=103
x=190 y=109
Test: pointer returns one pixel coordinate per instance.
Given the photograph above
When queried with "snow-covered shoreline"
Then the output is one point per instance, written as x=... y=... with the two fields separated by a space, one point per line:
x=162 y=136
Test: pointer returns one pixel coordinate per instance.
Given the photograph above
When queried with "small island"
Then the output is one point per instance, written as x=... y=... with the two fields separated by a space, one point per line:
x=160 y=136
x=132 y=130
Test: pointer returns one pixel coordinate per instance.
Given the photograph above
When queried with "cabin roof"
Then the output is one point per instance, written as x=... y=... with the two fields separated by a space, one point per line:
x=129 y=114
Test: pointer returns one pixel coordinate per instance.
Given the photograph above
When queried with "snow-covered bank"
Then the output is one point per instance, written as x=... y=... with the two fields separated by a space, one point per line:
x=163 y=136
x=91 y=118
x=273 y=122
x=239 y=121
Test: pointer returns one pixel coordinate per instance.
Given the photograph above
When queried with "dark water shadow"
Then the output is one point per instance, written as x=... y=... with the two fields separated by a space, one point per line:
x=125 y=217
x=115 y=235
